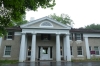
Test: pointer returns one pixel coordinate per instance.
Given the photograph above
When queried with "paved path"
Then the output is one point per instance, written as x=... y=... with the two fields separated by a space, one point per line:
x=47 y=63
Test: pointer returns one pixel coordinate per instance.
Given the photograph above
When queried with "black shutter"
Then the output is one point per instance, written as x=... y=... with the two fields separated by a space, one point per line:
x=75 y=37
x=49 y=36
x=72 y=36
x=39 y=53
x=5 y=37
x=82 y=36
x=50 y=52
x=12 y=35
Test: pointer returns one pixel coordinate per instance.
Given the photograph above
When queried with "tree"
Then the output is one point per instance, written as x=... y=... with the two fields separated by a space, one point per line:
x=63 y=18
x=93 y=26
x=11 y=11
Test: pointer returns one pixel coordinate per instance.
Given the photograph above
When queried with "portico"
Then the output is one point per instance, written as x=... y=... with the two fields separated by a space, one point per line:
x=59 y=34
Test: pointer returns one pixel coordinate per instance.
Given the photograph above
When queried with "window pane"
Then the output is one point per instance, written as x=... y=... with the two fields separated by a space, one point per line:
x=95 y=47
x=10 y=33
x=7 y=50
x=79 y=50
x=78 y=36
x=97 y=52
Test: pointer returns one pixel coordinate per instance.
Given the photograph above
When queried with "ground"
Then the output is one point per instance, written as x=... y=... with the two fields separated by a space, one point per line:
x=48 y=63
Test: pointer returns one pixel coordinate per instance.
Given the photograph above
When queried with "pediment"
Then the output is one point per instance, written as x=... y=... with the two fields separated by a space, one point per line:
x=45 y=22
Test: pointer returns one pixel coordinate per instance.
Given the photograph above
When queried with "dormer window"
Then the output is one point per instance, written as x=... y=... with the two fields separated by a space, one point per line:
x=46 y=24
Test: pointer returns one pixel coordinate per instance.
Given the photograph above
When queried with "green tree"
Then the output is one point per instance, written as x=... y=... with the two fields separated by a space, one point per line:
x=11 y=11
x=93 y=26
x=63 y=18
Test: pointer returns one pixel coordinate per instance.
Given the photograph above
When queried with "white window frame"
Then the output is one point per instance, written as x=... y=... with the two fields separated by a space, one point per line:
x=98 y=50
x=9 y=35
x=5 y=51
x=46 y=26
x=81 y=50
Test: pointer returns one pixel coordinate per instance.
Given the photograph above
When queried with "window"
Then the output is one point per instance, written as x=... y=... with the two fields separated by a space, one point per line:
x=90 y=49
x=29 y=51
x=96 y=49
x=71 y=49
x=7 y=51
x=10 y=35
x=45 y=36
x=45 y=50
x=78 y=36
x=46 y=24
x=79 y=50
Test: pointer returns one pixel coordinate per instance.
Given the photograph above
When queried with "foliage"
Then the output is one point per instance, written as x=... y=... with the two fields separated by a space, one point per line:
x=93 y=26
x=63 y=18
x=11 y=11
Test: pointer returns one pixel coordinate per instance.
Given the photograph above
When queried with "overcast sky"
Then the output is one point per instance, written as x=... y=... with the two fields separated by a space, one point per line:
x=82 y=12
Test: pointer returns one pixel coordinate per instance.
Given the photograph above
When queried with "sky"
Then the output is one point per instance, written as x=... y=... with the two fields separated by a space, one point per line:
x=82 y=12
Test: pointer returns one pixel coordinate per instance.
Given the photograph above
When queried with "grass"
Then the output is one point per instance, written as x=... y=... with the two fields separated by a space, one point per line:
x=8 y=61
x=86 y=60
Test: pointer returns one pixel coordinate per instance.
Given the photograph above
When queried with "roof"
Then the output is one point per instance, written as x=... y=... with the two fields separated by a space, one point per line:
x=85 y=30
x=15 y=28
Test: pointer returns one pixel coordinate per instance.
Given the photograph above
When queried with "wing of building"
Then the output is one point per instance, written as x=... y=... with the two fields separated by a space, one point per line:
x=47 y=39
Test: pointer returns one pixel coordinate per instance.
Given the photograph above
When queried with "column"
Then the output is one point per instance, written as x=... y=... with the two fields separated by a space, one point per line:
x=22 y=49
x=25 y=47
x=0 y=41
x=33 y=47
x=58 y=57
x=87 y=48
x=65 y=47
x=49 y=53
x=68 y=48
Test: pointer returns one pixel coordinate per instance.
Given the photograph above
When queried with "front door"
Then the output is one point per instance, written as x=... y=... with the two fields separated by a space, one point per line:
x=45 y=53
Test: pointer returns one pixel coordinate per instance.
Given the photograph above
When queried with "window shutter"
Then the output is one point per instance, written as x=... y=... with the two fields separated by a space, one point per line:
x=72 y=36
x=82 y=36
x=50 y=52
x=5 y=37
x=75 y=37
x=39 y=53
x=13 y=36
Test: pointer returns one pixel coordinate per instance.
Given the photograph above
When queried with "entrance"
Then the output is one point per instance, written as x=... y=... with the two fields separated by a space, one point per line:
x=45 y=53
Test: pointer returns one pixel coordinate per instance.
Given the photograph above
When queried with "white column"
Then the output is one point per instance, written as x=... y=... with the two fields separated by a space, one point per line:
x=49 y=53
x=22 y=49
x=65 y=48
x=33 y=47
x=0 y=41
x=25 y=47
x=87 y=48
x=58 y=57
x=68 y=48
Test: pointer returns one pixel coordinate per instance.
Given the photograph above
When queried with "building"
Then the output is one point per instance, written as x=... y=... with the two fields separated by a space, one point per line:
x=47 y=39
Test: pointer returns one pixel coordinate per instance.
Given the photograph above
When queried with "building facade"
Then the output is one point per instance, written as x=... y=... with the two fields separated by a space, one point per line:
x=47 y=39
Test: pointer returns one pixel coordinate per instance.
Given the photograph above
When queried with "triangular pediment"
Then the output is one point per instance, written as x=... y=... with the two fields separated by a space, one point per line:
x=45 y=22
